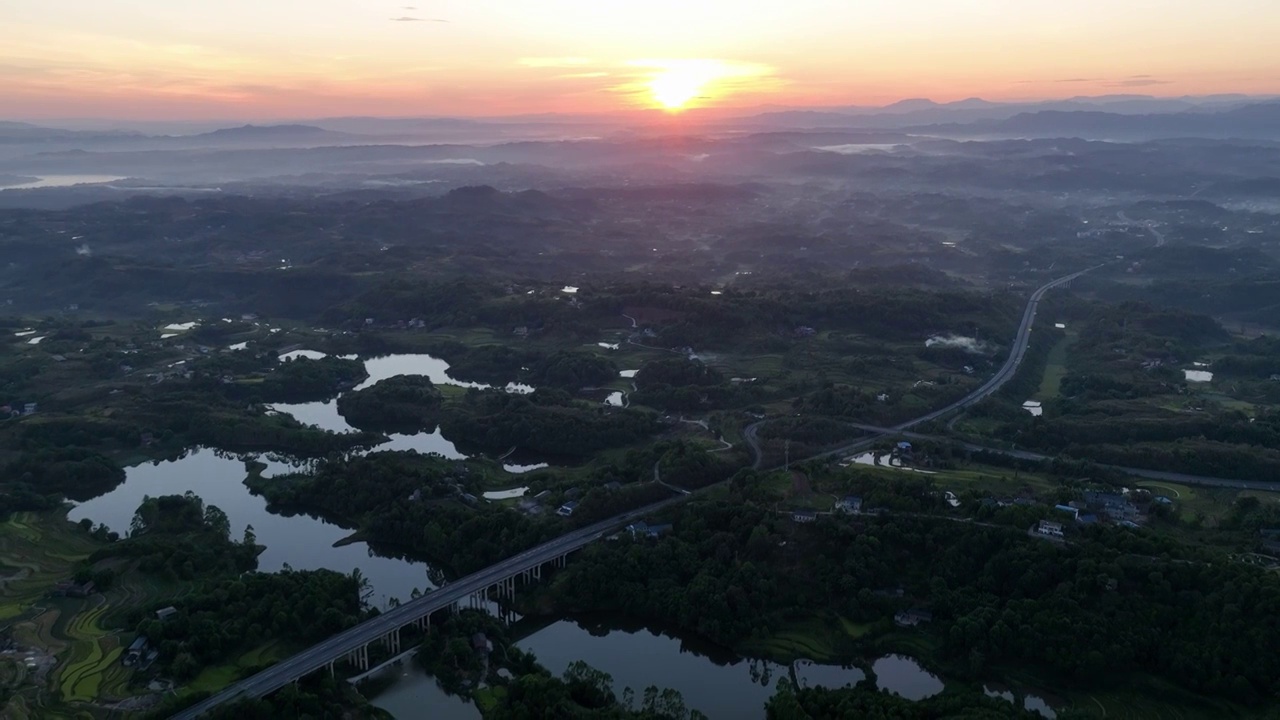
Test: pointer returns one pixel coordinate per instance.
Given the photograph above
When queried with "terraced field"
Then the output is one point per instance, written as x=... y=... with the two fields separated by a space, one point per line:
x=38 y=551
x=94 y=653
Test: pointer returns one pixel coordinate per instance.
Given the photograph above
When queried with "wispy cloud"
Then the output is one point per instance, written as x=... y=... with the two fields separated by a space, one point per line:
x=1077 y=80
x=584 y=75
x=1139 y=81
x=554 y=62
x=406 y=18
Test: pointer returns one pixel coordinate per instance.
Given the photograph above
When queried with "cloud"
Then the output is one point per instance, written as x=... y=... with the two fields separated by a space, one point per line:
x=1139 y=81
x=1077 y=80
x=584 y=75
x=406 y=18
x=408 y=7
x=554 y=62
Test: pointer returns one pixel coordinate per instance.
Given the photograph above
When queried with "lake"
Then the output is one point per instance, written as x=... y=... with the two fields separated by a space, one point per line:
x=50 y=181
x=712 y=680
x=300 y=541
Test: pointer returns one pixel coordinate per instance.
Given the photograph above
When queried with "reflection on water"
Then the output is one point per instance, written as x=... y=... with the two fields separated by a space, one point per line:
x=300 y=541
x=711 y=679
x=901 y=675
x=433 y=368
x=50 y=181
x=1034 y=703
x=415 y=694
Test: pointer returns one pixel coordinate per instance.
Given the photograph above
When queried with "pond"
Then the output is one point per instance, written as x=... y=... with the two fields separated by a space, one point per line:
x=300 y=541
x=1029 y=701
x=893 y=462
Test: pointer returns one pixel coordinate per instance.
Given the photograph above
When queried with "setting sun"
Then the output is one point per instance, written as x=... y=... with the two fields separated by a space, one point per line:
x=676 y=86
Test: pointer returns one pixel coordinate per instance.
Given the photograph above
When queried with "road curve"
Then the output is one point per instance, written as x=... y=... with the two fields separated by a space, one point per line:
x=1016 y=354
x=321 y=654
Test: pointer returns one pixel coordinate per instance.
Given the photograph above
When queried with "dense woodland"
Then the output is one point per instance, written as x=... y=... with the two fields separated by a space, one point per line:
x=1089 y=612
x=226 y=618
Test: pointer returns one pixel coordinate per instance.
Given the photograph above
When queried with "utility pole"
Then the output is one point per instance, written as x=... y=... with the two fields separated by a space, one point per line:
x=786 y=449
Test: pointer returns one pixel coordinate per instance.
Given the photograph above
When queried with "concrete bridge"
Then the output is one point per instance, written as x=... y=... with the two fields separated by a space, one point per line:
x=352 y=645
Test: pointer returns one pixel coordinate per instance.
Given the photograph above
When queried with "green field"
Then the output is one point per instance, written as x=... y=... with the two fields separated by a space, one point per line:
x=817 y=638
x=1054 y=370
x=94 y=658
x=219 y=676
x=38 y=550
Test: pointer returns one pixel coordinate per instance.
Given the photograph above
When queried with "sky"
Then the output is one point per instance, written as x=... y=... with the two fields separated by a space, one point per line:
x=276 y=59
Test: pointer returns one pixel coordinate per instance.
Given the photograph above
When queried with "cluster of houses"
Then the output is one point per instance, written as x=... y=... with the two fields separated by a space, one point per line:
x=1096 y=506
x=848 y=505
x=18 y=409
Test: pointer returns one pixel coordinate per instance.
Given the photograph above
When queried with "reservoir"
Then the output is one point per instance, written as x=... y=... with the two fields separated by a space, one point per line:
x=300 y=541
x=712 y=680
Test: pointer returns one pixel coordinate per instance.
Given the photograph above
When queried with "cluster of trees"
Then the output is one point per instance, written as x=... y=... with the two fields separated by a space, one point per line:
x=225 y=618
x=571 y=370
x=405 y=403
x=178 y=537
x=75 y=473
x=303 y=379
x=374 y=492
x=316 y=697
x=199 y=419
x=1090 y=611
x=682 y=384
x=493 y=364
x=545 y=422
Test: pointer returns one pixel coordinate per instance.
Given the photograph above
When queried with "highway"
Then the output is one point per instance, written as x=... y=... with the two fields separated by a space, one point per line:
x=1017 y=352
x=1180 y=478
x=320 y=655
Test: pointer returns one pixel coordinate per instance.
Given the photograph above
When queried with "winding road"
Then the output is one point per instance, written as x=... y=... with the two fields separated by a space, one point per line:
x=1016 y=354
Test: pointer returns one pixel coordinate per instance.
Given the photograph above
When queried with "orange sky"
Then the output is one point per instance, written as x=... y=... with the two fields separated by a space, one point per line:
x=260 y=59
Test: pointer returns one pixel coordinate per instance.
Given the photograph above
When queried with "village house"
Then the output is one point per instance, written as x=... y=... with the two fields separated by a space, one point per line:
x=804 y=516
x=850 y=504
x=135 y=651
x=641 y=529
x=1049 y=529
x=566 y=510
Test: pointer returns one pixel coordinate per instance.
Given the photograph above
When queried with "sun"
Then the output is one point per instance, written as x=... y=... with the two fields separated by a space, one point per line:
x=678 y=84
x=674 y=88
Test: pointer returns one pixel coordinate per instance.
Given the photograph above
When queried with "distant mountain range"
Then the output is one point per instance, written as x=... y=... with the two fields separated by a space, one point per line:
x=915 y=112
x=1110 y=116
x=1260 y=120
x=267 y=132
